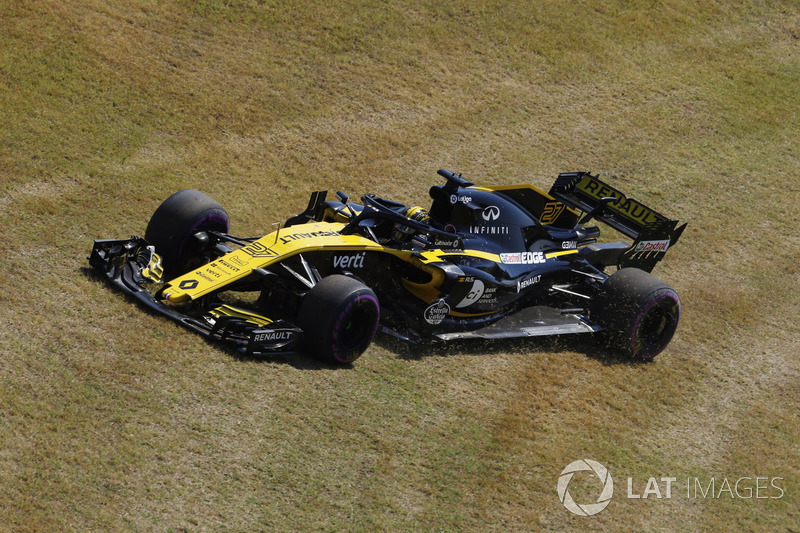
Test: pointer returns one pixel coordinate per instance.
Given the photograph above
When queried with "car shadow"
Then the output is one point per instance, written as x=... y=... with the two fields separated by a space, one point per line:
x=583 y=343
x=298 y=360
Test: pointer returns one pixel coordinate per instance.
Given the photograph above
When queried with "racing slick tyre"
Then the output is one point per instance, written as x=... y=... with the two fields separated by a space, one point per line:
x=639 y=312
x=175 y=223
x=339 y=317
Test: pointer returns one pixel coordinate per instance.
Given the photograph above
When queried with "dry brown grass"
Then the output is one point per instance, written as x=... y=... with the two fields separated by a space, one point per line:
x=113 y=419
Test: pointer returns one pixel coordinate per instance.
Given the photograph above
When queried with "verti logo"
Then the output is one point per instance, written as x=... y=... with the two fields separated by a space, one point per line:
x=587 y=509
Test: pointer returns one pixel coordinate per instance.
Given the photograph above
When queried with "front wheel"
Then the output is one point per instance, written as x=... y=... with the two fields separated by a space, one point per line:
x=176 y=222
x=339 y=317
x=639 y=313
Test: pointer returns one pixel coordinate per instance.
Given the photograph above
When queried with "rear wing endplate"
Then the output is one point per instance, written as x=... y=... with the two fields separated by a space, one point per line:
x=652 y=233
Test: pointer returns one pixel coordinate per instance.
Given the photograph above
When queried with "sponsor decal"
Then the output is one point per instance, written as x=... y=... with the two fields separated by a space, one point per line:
x=491 y=213
x=569 y=244
x=652 y=246
x=420 y=243
x=349 y=261
x=521 y=284
x=212 y=272
x=236 y=260
x=489 y=230
x=453 y=244
x=271 y=336
x=625 y=206
x=201 y=274
x=258 y=250
x=188 y=284
x=228 y=265
x=488 y=296
x=286 y=239
x=456 y=199
x=551 y=212
x=436 y=312
x=523 y=258
x=474 y=294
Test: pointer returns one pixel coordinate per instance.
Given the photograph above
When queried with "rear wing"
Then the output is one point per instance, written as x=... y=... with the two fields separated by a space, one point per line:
x=652 y=233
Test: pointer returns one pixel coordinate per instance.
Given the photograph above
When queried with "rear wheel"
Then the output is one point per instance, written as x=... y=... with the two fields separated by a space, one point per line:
x=339 y=317
x=639 y=312
x=176 y=227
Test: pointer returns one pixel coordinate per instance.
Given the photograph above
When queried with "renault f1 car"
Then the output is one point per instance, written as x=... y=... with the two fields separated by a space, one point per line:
x=481 y=262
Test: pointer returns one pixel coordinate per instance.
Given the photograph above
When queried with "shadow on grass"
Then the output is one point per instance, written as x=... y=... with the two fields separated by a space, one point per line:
x=298 y=360
x=580 y=343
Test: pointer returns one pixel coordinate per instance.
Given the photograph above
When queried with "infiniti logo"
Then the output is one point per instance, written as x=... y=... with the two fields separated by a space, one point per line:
x=491 y=212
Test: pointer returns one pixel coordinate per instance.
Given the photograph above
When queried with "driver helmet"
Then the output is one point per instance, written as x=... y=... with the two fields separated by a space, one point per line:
x=402 y=232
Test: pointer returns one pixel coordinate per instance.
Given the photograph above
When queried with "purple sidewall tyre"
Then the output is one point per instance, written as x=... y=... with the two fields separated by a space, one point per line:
x=176 y=221
x=339 y=317
x=639 y=313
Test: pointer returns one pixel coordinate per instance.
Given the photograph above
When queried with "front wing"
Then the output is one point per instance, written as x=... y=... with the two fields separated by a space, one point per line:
x=133 y=267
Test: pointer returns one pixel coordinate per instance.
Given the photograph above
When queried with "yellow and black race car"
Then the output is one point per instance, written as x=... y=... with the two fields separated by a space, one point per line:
x=482 y=262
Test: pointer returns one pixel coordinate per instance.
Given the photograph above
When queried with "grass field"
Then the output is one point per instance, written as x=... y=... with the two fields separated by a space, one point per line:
x=113 y=419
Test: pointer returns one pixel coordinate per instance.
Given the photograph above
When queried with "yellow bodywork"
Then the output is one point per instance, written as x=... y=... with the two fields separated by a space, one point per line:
x=229 y=310
x=267 y=250
x=294 y=240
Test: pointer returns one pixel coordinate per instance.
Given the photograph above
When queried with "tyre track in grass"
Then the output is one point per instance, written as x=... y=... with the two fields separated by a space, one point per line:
x=554 y=413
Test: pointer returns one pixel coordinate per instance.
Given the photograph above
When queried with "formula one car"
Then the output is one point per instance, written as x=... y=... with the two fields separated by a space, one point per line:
x=482 y=262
